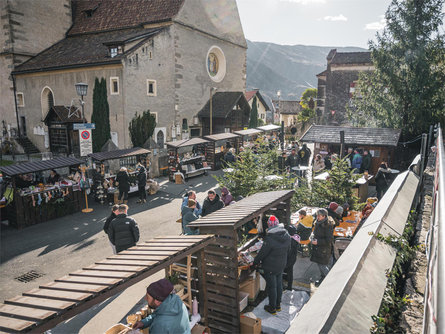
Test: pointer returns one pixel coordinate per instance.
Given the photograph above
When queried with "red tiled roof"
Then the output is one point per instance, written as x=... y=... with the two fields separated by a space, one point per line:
x=250 y=94
x=104 y=15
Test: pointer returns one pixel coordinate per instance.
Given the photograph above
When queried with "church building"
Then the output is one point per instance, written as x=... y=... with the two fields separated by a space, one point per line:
x=159 y=55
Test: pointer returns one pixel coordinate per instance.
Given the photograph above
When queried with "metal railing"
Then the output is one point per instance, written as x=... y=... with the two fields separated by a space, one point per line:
x=434 y=316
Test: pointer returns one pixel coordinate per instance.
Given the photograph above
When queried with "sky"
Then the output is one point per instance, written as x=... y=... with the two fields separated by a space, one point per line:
x=313 y=22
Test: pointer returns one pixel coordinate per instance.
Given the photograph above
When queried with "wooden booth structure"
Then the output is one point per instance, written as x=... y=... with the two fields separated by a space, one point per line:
x=223 y=276
x=41 y=309
x=247 y=135
x=33 y=201
x=380 y=142
x=111 y=162
x=187 y=156
x=62 y=138
x=218 y=145
x=227 y=112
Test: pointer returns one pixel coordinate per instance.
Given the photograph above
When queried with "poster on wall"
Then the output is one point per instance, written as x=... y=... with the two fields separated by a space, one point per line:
x=85 y=142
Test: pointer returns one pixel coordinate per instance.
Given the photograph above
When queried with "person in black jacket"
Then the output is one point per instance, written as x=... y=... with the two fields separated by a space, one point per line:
x=292 y=255
x=142 y=181
x=114 y=213
x=381 y=182
x=212 y=203
x=304 y=154
x=273 y=259
x=123 y=231
x=123 y=180
x=322 y=241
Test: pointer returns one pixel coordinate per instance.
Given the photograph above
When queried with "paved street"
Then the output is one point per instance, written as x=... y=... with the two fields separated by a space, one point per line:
x=60 y=246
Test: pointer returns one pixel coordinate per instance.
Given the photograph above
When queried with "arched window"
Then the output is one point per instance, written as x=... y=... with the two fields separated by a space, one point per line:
x=160 y=139
x=47 y=100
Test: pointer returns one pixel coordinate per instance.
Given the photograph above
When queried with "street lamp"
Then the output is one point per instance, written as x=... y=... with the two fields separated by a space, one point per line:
x=82 y=89
x=212 y=89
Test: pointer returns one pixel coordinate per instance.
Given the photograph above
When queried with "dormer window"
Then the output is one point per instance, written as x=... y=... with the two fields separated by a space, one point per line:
x=116 y=50
x=113 y=52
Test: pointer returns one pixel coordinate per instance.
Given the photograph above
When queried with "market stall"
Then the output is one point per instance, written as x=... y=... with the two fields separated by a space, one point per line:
x=269 y=128
x=39 y=310
x=108 y=164
x=187 y=157
x=35 y=196
x=228 y=278
x=247 y=136
x=218 y=146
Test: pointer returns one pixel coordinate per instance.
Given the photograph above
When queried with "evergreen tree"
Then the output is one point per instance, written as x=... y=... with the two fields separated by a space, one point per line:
x=253 y=122
x=101 y=115
x=141 y=128
x=406 y=88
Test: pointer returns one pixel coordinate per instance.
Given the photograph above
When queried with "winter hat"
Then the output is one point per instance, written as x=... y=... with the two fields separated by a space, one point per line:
x=339 y=210
x=160 y=290
x=273 y=221
x=224 y=191
x=333 y=206
x=371 y=200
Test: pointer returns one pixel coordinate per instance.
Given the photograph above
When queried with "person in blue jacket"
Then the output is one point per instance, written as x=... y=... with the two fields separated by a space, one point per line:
x=191 y=195
x=170 y=315
x=356 y=161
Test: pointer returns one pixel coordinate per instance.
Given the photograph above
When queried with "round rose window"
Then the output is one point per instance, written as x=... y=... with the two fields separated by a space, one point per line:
x=216 y=64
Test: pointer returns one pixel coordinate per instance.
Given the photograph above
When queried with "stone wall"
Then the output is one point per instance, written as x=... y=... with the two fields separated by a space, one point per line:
x=61 y=84
x=27 y=28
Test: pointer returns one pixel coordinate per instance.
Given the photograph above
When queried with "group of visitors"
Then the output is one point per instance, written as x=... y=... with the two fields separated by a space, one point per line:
x=358 y=160
x=123 y=184
x=298 y=158
x=191 y=210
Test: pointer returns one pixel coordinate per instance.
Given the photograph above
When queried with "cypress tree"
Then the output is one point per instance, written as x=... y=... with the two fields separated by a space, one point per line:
x=101 y=115
x=253 y=122
x=141 y=128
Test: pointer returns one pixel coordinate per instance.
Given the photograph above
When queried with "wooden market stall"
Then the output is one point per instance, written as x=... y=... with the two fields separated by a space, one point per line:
x=380 y=142
x=111 y=162
x=34 y=200
x=187 y=156
x=41 y=309
x=223 y=276
x=247 y=136
x=218 y=146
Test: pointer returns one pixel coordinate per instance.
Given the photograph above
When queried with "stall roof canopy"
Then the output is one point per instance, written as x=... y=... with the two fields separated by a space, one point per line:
x=74 y=293
x=37 y=166
x=269 y=127
x=358 y=136
x=64 y=114
x=221 y=136
x=186 y=142
x=243 y=211
x=248 y=132
x=128 y=152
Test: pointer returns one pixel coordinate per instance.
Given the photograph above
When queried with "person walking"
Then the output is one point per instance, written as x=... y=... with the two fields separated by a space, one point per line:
x=114 y=213
x=142 y=181
x=322 y=241
x=292 y=159
x=170 y=314
x=273 y=258
x=123 y=231
x=188 y=216
x=123 y=183
x=212 y=203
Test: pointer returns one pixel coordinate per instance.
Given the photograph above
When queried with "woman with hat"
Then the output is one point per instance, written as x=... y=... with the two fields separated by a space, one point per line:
x=273 y=259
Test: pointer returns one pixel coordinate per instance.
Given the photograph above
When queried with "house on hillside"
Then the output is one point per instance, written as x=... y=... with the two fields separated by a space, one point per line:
x=262 y=106
x=157 y=55
x=337 y=83
x=230 y=112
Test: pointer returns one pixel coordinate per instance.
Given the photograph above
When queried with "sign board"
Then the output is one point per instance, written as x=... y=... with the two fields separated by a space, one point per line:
x=85 y=142
x=83 y=126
